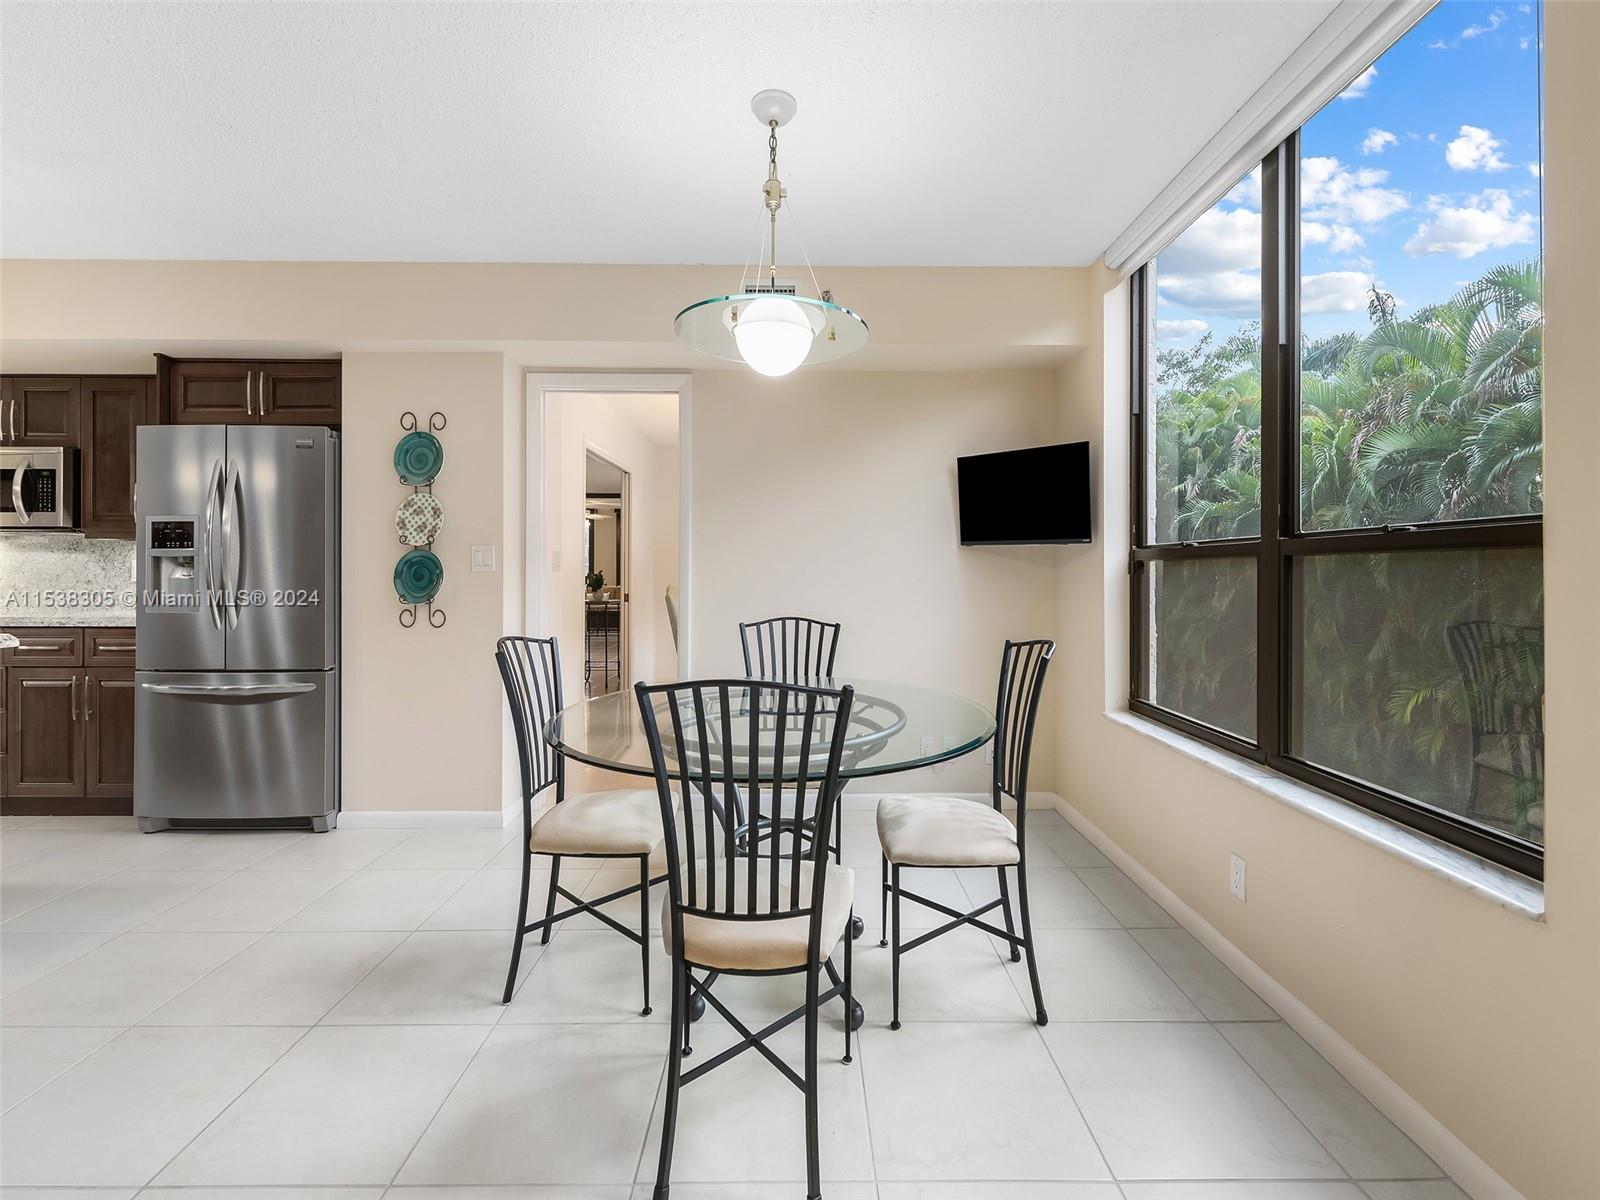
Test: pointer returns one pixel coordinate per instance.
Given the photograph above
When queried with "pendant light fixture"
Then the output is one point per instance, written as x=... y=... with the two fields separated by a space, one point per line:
x=768 y=323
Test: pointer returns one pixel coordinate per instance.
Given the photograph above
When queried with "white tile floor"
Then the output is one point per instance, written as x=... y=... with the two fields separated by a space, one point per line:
x=204 y=1016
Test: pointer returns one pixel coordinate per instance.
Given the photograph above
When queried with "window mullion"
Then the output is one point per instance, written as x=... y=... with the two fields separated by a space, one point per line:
x=1270 y=567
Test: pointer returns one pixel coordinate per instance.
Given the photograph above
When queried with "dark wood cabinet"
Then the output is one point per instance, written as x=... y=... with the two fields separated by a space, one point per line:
x=111 y=409
x=45 y=740
x=108 y=732
x=39 y=410
x=298 y=393
x=66 y=728
x=229 y=391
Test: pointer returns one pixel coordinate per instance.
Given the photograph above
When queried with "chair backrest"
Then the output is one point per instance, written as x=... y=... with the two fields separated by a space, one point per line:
x=672 y=612
x=1022 y=668
x=746 y=757
x=530 y=669
x=790 y=649
x=1502 y=673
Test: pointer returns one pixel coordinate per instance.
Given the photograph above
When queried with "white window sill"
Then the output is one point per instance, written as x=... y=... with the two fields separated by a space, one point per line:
x=1513 y=892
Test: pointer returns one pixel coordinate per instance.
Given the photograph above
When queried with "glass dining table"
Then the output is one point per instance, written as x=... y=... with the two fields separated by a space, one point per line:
x=892 y=727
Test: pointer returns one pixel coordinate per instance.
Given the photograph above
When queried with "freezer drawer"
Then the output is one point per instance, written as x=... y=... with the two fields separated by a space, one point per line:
x=228 y=747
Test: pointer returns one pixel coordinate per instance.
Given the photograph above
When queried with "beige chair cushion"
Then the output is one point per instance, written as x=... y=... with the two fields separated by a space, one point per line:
x=943 y=831
x=627 y=821
x=731 y=945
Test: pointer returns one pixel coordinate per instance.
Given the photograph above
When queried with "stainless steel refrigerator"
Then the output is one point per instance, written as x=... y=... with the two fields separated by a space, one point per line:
x=236 y=712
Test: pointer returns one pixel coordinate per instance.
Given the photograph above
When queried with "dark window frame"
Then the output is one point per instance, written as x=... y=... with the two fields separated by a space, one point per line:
x=1281 y=541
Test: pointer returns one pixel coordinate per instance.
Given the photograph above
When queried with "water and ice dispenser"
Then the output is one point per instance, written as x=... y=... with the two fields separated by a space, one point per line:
x=173 y=581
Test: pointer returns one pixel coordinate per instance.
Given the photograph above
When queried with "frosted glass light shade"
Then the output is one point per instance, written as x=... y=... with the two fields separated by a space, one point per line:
x=773 y=335
x=710 y=326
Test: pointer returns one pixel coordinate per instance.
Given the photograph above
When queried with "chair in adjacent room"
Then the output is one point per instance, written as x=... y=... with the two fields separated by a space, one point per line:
x=790 y=649
x=623 y=824
x=1502 y=674
x=772 y=908
x=944 y=832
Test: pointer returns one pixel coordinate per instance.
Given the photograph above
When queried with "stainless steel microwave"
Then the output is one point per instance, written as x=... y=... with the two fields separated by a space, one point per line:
x=38 y=487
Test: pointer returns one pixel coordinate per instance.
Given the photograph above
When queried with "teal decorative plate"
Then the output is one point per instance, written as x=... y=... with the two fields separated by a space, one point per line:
x=417 y=458
x=418 y=576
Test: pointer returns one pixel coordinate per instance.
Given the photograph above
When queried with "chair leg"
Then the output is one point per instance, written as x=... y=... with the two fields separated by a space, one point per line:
x=894 y=953
x=1005 y=907
x=517 y=934
x=883 y=900
x=849 y=994
x=813 y=1152
x=1040 y=1016
x=550 y=903
x=644 y=927
x=669 y=1112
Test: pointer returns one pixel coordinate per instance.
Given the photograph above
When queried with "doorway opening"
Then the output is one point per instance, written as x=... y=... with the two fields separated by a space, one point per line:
x=605 y=575
x=605 y=529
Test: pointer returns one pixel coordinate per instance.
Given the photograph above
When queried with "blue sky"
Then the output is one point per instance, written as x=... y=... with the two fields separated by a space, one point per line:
x=1420 y=176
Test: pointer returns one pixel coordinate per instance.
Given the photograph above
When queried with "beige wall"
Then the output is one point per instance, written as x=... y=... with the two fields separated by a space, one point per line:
x=833 y=496
x=1488 y=1019
x=422 y=706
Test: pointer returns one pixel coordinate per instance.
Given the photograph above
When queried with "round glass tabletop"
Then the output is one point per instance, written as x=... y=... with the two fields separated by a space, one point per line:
x=892 y=727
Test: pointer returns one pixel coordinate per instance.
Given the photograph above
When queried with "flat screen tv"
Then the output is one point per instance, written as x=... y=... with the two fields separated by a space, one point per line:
x=1033 y=497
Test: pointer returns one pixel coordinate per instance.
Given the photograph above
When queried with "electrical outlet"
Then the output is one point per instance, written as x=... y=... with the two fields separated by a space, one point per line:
x=988 y=754
x=930 y=746
x=1236 y=876
x=555 y=560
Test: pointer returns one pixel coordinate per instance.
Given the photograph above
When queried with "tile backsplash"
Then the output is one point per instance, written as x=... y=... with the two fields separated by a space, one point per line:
x=65 y=579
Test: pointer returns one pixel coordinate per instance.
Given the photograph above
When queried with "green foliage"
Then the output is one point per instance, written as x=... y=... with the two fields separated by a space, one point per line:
x=1436 y=416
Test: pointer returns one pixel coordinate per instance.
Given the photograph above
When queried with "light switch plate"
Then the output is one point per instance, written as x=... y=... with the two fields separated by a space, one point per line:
x=483 y=558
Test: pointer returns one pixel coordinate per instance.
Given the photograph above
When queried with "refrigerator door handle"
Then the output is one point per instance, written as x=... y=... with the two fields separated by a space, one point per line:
x=211 y=573
x=230 y=540
x=16 y=489
x=229 y=689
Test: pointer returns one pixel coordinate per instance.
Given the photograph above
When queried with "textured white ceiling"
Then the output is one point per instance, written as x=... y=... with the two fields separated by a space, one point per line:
x=989 y=134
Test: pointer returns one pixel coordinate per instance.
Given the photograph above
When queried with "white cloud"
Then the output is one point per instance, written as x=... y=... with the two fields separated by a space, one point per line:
x=1247 y=191
x=1335 y=291
x=1483 y=222
x=1233 y=293
x=1360 y=85
x=1333 y=192
x=1536 y=170
x=1337 y=238
x=1496 y=19
x=1180 y=330
x=1218 y=240
x=1376 y=140
x=1475 y=149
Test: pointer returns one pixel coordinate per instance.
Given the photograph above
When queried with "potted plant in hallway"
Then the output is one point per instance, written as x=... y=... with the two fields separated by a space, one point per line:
x=594 y=582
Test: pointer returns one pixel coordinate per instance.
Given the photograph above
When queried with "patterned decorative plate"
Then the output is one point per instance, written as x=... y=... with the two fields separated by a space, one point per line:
x=417 y=458
x=418 y=576
x=418 y=518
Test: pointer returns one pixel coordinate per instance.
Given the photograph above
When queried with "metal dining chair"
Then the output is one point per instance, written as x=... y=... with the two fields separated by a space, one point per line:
x=944 y=832
x=769 y=908
x=1502 y=677
x=622 y=824
x=790 y=649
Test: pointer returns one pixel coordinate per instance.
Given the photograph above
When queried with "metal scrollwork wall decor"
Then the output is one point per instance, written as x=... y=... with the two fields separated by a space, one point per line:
x=418 y=458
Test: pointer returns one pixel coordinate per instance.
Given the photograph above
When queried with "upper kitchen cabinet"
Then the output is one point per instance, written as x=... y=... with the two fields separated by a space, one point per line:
x=39 y=410
x=111 y=408
x=253 y=392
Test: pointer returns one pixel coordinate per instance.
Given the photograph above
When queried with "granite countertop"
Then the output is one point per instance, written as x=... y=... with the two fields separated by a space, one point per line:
x=87 y=618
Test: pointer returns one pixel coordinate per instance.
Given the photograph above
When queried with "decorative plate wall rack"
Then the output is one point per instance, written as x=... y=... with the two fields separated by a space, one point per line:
x=418 y=575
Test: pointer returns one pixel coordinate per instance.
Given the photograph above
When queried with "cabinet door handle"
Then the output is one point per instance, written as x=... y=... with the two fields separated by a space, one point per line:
x=249 y=377
x=75 y=697
x=88 y=698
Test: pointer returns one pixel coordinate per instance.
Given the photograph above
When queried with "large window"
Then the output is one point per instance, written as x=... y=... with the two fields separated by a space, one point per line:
x=1338 y=447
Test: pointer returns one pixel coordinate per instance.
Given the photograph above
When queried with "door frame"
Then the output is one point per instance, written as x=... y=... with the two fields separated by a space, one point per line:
x=536 y=557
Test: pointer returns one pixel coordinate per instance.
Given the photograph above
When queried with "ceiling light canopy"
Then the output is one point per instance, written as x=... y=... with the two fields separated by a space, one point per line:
x=768 y=323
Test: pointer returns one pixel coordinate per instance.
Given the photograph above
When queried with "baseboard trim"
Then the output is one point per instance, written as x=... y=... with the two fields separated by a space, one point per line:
x=1474 y=1176
x=399 y=819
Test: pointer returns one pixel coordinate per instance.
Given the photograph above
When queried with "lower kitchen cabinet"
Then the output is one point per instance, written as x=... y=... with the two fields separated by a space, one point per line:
x=67 y=743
